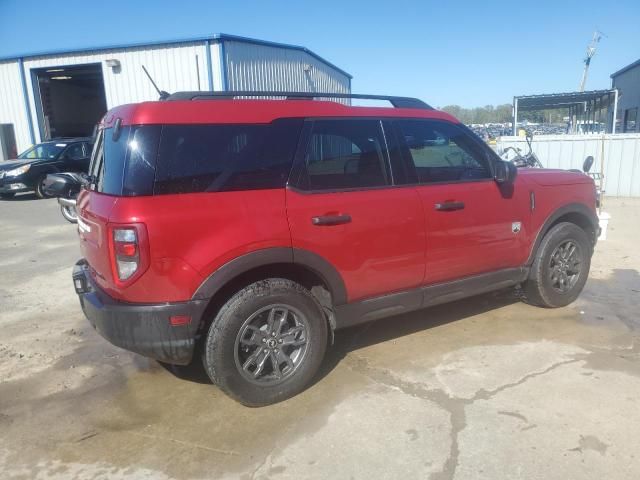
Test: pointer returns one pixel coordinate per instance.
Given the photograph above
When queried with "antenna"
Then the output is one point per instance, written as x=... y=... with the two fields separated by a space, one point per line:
x=591 y=51
x=162 y=93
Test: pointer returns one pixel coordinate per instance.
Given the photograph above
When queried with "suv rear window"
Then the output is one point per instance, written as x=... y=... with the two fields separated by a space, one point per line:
x=125 y=165
x=344 y=154
x=210 y=158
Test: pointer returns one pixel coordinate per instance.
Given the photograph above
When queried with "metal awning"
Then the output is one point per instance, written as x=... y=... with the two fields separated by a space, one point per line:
x=583 y=107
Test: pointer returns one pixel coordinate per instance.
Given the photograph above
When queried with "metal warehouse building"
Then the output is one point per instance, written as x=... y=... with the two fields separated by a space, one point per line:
x=627 y=80
x=59 y=94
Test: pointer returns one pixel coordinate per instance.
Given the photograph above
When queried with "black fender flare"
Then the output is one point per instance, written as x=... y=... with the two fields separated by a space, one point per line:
x=270 y=256
x=575 y=208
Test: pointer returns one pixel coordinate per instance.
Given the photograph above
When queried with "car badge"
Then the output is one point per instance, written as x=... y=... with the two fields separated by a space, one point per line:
x=516 y=227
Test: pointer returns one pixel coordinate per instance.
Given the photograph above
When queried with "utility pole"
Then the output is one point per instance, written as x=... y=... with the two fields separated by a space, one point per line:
x=591 y=51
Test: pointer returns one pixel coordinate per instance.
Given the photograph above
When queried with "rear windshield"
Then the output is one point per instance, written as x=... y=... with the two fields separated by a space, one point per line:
x=125 y=164
x=147 y=160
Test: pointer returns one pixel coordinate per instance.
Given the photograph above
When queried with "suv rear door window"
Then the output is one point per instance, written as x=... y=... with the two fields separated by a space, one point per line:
x=344 y=154
x=442 y=152
x=209 y=158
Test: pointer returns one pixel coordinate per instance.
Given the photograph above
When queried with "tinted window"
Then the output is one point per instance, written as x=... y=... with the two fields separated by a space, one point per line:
x=125 y=166
x=114 y=159
x=441 y=152
x=346 y=154
x=45 y=150
x=74 y=152
x=140 y=166
x=199 y=158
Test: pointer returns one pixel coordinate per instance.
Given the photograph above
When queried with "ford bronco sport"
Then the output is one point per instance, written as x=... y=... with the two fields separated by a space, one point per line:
x=249 y=230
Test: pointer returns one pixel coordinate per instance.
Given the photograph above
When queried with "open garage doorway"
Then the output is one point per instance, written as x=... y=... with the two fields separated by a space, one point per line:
x=70 y=100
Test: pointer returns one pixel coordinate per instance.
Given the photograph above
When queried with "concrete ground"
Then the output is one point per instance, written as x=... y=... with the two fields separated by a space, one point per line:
x=487 y=388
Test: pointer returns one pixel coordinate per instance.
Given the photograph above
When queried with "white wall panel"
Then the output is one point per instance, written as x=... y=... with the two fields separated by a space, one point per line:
x=620 y=163
x=173 y=67
x=12 y=107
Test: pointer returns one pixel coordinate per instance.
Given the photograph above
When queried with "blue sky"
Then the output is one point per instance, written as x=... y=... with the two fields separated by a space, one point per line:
x=467 y=53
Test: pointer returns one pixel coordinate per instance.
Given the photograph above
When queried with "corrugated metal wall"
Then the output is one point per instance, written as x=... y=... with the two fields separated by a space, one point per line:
x=249 y=66
x=12 y=108
x=261 y=67
x=621 y=157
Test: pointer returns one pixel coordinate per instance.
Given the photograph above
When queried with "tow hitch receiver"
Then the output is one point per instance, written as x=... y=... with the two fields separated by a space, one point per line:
x=80 y=278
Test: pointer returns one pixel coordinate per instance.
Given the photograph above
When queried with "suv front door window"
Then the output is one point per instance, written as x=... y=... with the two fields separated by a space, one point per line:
x=470 y=219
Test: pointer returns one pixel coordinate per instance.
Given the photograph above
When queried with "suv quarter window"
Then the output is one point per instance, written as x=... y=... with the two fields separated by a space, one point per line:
x=210 y=158
x=440 y=151
x=345 y=154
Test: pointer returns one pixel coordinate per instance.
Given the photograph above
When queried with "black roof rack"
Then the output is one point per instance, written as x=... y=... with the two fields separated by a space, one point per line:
x=397 y=102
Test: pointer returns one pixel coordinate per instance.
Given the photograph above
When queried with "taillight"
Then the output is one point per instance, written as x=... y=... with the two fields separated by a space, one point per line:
x=127 y=254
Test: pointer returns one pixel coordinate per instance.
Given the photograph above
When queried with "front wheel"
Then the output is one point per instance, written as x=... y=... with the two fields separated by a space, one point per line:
x=40 y=192
x=266 y=343
x=560 y=268
x=69 y=213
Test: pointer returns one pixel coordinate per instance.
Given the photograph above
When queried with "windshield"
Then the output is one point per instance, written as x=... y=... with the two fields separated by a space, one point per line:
x=44 y=150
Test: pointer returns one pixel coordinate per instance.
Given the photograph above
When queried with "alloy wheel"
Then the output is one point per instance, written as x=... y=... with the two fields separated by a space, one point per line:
x=271 y=344
x=565 y=266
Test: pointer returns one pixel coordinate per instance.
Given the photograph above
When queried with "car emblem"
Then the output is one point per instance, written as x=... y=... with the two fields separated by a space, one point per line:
x=516 y=227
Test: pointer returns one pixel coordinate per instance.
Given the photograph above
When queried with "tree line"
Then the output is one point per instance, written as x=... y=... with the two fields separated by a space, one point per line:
x=502 y=114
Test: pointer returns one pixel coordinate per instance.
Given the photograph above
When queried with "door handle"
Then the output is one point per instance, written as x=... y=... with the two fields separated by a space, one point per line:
x=449 y=206
x=324 y=220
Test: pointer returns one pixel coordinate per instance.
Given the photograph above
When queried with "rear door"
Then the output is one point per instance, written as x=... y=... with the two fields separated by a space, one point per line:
x=473 y=225
x=342 y=204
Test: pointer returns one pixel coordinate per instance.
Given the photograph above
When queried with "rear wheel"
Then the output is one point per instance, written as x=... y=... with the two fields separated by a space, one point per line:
x=266 y=343
x=560 y=268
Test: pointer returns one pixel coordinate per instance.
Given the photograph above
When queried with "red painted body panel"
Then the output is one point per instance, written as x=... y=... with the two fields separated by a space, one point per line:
x=554 y=189
x=478 y=238
x=189 y=236
x=380 y=251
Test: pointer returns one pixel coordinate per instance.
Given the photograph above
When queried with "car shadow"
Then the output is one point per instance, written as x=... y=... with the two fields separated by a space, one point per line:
x=379 y=331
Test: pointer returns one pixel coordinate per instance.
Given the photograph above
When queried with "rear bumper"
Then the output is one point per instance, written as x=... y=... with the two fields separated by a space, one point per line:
x=141 y=328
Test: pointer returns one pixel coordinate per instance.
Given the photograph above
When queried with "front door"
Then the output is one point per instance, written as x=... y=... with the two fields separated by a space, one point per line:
x=473 y=225
x=342 y=205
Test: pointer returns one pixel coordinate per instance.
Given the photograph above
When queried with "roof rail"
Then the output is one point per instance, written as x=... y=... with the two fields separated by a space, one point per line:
x=397 y=102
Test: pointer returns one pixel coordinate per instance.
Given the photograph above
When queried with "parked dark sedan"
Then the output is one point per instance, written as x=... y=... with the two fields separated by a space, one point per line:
x=28 y=171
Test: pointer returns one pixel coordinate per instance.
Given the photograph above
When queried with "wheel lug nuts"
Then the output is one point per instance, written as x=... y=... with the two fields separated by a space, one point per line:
x=266 y=350
x=280 y=341
x=273 y=334
x=264 y=340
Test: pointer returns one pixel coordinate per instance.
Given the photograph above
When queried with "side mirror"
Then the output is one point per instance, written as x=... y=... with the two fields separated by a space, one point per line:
x=588 y=163
x=505 y=173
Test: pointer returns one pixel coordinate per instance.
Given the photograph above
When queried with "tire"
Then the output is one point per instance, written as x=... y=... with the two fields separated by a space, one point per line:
x=69 y=214
x=557 y=275
x=39 y=190
x=241 y=335
x=7 y=196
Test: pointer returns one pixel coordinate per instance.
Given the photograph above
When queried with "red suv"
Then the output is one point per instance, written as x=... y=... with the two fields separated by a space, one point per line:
x=249 y=230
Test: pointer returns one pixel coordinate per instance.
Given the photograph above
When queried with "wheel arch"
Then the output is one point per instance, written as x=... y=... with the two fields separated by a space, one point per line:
x=301 y=266
x=576 y=213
